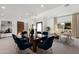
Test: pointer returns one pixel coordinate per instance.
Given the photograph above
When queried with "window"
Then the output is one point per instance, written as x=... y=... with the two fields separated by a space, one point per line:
x=39 y=26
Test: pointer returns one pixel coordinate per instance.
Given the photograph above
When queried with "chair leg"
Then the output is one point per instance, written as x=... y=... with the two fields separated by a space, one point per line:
x=17 y=49
x=51 y=50
x=21 y=51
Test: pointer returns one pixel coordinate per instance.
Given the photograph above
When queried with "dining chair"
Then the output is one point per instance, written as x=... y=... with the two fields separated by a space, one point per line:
x=46 y=44
x=20 y=44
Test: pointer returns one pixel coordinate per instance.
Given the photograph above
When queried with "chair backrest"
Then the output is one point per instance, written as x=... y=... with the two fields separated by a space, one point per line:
x=19 y=42
x=45 y=33
x=24 y=34
x=15 y=38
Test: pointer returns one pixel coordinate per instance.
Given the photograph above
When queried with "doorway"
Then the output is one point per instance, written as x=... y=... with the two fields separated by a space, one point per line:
x=20 y=27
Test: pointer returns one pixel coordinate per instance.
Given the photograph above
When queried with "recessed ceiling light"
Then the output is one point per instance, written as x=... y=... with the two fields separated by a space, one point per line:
x=42 y=5
x=3 y=7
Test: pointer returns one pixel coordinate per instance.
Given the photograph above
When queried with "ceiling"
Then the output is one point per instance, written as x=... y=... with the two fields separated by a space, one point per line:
x=24 y=10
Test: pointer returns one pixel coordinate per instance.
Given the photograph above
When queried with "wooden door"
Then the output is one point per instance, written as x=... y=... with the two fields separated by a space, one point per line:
x=20 y=27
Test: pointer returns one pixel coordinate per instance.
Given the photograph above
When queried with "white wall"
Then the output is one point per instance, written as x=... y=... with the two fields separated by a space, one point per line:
x=50 y=23
x=57 y=12
x=14 y=24
x=46 y=22
x=39 y=20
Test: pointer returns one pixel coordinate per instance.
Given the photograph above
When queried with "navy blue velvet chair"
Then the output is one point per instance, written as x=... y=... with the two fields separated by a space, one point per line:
x=21 y=45
x=47 y=43
x=45 y=33
x=43 y=39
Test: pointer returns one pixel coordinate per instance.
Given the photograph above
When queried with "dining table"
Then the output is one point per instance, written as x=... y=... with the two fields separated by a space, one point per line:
x=34 y=42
